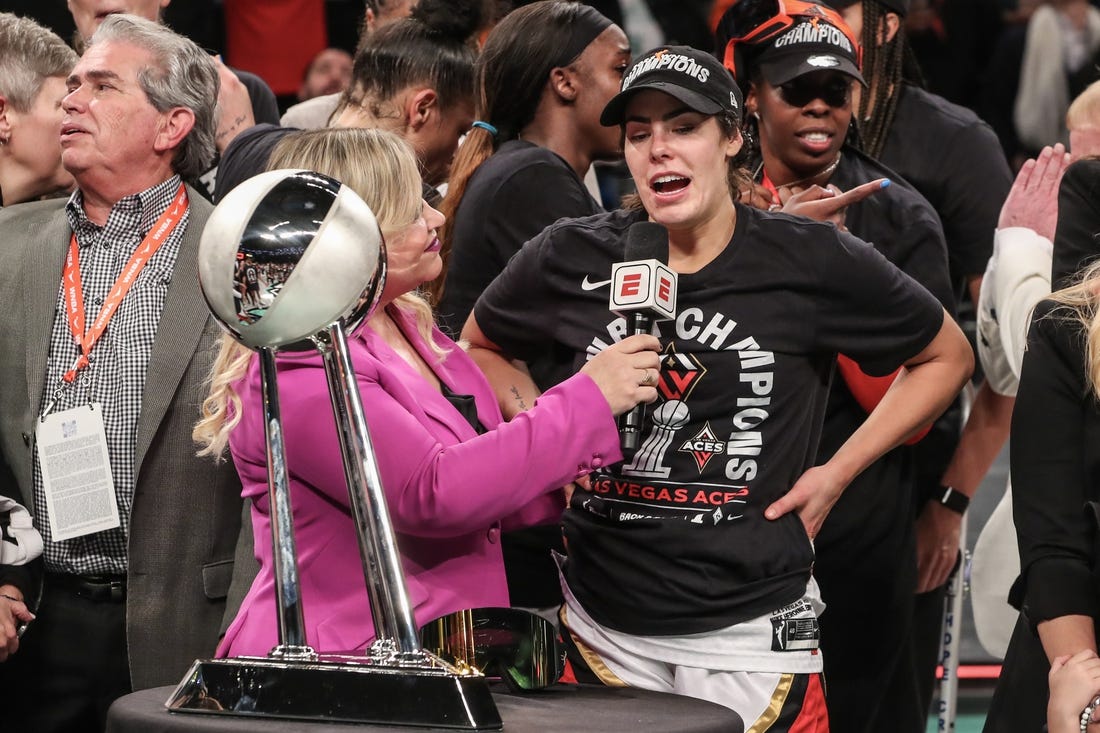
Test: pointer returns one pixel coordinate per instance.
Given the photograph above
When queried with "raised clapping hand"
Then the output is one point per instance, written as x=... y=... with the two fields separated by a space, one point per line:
x=1032 y=202
x=627 y=372
x=1074 y=682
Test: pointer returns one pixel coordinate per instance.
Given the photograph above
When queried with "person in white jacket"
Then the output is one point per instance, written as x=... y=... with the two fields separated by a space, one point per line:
x=1016 y=278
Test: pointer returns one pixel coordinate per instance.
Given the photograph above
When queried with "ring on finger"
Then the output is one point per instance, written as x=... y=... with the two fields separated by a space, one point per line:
x=648 y=380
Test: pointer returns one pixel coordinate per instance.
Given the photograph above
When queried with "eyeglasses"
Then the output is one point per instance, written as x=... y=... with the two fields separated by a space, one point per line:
x=518 y=647
x=799 y=92
x=757 y=21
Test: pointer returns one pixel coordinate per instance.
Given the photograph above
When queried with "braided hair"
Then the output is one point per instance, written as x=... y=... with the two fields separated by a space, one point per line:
x=886 y=68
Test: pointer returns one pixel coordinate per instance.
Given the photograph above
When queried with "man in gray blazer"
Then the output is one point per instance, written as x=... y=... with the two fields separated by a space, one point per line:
x=105 y=342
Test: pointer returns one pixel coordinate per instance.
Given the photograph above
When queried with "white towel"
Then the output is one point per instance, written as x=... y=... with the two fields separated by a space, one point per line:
x=993 y=569
x=28 y=543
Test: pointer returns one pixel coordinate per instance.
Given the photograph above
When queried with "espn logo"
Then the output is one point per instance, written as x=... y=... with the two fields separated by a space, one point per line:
x=643 y=285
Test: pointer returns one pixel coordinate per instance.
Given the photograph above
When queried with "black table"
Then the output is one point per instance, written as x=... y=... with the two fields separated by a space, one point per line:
x=564 y=708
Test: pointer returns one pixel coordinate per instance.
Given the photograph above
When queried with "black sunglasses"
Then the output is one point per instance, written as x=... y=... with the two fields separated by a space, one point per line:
x=801 y=91
x=515 y=646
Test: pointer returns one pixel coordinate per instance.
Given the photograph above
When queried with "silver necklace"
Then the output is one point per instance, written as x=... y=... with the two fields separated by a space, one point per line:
x=827 y=171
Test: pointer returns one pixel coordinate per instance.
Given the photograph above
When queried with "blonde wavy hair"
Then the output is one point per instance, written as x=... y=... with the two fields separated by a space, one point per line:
x=381 y=168
x=1084 y=110
x=1081 y=303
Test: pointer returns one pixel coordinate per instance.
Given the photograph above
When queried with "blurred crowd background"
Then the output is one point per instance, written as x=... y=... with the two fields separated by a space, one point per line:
x=971 y=51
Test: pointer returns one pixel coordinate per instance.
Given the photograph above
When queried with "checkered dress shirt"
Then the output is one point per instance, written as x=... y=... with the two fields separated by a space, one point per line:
x=115 y=376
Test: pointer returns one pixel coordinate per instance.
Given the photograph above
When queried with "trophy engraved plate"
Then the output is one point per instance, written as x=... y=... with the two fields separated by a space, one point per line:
x=294 y=260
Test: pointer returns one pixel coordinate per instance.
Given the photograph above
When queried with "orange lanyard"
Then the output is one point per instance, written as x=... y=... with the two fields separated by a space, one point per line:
x=74 y=289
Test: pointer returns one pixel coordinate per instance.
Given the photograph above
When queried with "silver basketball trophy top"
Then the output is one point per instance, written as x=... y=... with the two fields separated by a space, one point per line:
x=294 y=260
x=297 y=231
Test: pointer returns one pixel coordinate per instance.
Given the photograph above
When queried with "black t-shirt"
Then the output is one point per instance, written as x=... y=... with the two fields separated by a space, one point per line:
x=520 y=190
x=265 y=108
x=247 y=156
x=904 y=228
x=899 y=222
x=517 y=192
x=675 y=541
x=955 y=161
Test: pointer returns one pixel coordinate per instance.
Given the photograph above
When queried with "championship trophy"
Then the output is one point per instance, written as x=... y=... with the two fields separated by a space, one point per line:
x=294 y=260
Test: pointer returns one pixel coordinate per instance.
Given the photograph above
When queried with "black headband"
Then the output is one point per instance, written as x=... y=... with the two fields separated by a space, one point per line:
x=586 y=26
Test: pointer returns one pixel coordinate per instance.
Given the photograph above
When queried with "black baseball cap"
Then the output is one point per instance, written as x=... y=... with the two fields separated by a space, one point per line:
x=695 y=78
x=901 y=7
x=812 y=44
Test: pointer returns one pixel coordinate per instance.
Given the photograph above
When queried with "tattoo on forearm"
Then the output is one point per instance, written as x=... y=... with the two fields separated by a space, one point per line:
x=519 y=398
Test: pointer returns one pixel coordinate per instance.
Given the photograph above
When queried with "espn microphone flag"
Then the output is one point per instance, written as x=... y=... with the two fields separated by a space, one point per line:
x=643 y=290
x=644 y=283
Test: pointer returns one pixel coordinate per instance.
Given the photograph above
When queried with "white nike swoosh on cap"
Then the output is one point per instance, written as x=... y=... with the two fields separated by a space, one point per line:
x=587 y=284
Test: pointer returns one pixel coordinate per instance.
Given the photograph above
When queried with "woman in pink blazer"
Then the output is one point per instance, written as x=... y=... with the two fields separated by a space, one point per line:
x=453 y=472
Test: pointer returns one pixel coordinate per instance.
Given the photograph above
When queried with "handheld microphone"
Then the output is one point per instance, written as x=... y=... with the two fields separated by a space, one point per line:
x=643 y=290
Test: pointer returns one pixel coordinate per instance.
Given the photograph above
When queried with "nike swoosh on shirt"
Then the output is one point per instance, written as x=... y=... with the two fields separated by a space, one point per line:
x=586 y=284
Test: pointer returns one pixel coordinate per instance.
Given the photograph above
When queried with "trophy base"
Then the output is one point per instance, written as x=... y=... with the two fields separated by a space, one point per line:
x=339 y=688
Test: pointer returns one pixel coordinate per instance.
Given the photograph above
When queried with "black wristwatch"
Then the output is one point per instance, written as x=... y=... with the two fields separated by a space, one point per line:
x=954 y=500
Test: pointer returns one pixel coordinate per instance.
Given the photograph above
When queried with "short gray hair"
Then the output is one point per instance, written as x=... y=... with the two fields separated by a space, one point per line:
x=29 y=54
x=183 y=76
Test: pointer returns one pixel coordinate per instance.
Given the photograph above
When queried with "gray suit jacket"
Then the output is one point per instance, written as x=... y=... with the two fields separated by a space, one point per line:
x=186 y=516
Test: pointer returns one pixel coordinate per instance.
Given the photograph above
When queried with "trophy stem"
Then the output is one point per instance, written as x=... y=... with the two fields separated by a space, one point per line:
x=292 y=635
x=389 y=597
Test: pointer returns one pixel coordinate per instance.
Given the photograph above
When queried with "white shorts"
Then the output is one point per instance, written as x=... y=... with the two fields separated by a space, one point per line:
x=771 y=691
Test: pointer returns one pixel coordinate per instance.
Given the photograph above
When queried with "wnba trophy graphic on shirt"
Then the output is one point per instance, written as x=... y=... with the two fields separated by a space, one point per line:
x=648 y=461
x=294 y=260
